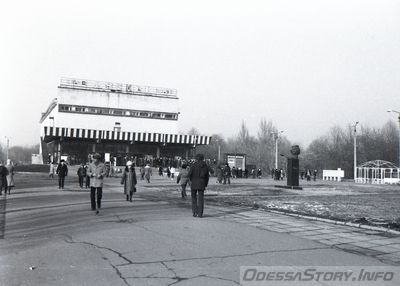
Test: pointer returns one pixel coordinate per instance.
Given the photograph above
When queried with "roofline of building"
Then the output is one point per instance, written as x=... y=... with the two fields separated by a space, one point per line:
x=49 y=109
x=119 y=92
x=103 y=86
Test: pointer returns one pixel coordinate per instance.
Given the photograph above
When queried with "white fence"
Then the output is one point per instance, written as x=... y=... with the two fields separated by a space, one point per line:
x=370 y=175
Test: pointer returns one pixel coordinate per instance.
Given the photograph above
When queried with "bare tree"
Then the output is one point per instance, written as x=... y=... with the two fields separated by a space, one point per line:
x=211 y=151
x=23 y=154
x=265 y=147
x=193 y=131
x=335 y=149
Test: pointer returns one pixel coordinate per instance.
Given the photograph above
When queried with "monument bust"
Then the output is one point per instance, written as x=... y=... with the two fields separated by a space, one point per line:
x=295 y=151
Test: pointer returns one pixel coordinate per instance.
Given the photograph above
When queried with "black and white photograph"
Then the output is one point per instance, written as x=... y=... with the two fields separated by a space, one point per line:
x=188 y=142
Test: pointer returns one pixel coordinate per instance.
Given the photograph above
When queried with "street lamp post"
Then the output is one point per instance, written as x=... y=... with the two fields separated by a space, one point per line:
x=8 y=145
x=398 y=113
x=219 y=151
x=276 y=147
x=355 y=150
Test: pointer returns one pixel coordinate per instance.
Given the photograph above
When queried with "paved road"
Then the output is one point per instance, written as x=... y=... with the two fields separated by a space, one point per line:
x=51 y=237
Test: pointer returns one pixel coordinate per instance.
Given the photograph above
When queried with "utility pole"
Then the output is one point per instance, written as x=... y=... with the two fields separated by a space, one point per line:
x=276 y=147
x=8 y=146
x=219 y=152
x=355 y=150
x=398 y=113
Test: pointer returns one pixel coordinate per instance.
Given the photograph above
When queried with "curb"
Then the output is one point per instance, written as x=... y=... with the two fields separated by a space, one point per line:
x=331 y=221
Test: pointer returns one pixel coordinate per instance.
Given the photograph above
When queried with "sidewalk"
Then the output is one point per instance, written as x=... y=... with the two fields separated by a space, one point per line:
x=375 y=242
x=52 y=237
x=378 y=244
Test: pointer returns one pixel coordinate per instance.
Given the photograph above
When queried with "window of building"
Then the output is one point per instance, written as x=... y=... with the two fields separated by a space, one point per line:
x=105 y=111
x=118 y=112
x=65 y=108
x=144 y=114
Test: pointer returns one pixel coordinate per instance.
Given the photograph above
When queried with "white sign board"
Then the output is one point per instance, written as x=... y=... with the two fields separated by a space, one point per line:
x=333 y=175
x=107 y=157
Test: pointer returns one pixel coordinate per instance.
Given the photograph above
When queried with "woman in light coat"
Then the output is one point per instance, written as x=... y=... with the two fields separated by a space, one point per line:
x=183 y=179
x=129 y=181
x=10 y=176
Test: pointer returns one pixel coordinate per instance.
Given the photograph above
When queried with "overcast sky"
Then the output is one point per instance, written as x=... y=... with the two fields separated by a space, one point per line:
x=306 y=65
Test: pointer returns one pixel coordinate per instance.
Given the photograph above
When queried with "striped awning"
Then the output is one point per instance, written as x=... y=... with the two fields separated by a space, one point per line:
x=80 y=133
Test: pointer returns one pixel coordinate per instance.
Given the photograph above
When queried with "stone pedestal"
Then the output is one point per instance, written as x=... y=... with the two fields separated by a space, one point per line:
x=293 y=172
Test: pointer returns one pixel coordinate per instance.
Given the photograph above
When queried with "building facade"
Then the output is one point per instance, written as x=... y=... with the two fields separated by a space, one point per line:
x=119 y=121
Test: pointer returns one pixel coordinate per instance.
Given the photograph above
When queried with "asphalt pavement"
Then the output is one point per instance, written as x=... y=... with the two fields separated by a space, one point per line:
x=51 y=237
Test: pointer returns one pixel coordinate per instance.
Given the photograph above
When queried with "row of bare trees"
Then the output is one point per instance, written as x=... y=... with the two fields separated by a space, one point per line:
x=336 y=148
x=333 y=150
x=259 y=149
x=19 y=154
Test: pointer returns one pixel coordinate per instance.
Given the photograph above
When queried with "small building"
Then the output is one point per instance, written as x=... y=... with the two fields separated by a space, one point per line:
x=120 y=121
x=378 y=172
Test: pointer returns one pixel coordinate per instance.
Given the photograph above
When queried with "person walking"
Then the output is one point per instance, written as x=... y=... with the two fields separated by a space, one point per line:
x=219 y=174
x=3 y=178
x=308 y=175
x=160 y=171
x=315 y=172
x=259 y=173
x=51 y=171
x=10 y=176
x=87 y=178
x=141 y=171
x=234 y=172
x=199 y=176
x=129 y=180
x=183 y=179
x=147 y=172
x=81 y=174
x=62 y=172
x=96 y=171
x=227 y=174
x=253 y=173
x=172 y=173
x=168 y=173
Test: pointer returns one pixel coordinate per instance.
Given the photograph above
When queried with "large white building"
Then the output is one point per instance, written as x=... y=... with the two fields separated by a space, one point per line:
x=117 y=120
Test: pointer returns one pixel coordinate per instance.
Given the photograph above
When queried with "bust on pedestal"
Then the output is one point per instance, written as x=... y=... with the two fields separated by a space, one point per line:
x=293 y=168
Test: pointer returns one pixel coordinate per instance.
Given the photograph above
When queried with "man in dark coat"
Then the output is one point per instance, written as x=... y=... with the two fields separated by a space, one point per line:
x=227 y=174
x=81 y=174
x=199 y=176
x=62 y=172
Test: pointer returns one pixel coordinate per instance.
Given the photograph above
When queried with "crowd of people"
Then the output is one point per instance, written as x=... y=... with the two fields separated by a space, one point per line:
x=225 y=173
x=194 y=173
x=308 y=174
